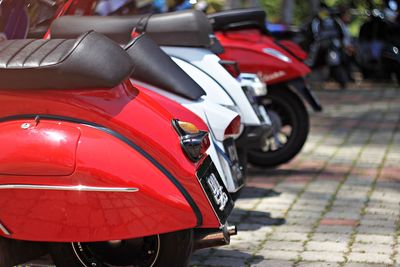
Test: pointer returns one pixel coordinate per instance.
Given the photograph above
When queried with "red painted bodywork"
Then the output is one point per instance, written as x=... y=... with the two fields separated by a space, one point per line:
x=57 y=159
x=97 y=159
x=246 y=48
x=294 y=48
x=175 y=108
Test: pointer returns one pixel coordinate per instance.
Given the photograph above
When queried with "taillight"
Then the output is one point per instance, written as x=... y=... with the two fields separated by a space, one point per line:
x=233 y=128
x=193 y=141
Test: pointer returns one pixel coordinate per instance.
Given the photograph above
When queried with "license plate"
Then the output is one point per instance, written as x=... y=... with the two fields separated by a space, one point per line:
x=215 y=190
x=236 y=167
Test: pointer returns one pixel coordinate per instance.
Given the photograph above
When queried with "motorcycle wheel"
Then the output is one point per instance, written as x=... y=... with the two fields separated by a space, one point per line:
x=339 y=74
x=290 y=122
x=171 y=249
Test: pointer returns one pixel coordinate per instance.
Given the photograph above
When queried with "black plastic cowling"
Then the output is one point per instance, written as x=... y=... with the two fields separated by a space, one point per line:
x=154 y=67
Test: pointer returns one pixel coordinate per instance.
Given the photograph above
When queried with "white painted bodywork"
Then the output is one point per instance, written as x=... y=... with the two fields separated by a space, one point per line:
x=198 y=60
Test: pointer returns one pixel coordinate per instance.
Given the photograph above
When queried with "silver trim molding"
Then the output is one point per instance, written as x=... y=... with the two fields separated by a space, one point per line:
x=4 y=229
x=82 y=188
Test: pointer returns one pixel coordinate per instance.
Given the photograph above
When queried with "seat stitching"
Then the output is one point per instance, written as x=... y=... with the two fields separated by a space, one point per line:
x=51 y=51
x=36 y=49
x=17 y=52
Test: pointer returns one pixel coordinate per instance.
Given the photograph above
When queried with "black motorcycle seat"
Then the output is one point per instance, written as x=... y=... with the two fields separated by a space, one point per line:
x=154 y=67
x=184 y=28
x=238 y=19
x=91 y=61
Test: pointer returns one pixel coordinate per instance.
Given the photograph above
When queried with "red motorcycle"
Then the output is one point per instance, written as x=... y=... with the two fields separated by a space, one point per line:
x=85 y=169
x=245 y=39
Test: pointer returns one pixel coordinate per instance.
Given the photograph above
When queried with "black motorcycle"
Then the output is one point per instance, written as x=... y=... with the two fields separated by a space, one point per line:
x=324 y=41
x=379 y=47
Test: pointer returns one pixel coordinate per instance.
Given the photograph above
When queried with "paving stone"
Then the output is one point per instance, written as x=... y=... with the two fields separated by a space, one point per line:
x=339 y=229
x=372 y=248
x=226 y=252
x=381 y=230
x=283 y=245
x=322 y=256
x=357 y=264
x=327 y=246
x=318 y=264
x=223 y=261
x=295 y=228
x=287 y=236
x=304 y=214
x=375 y=239
x=330 y=237
x=279 y=254
x=378 y=222
x=369 y=258
x=273 y=263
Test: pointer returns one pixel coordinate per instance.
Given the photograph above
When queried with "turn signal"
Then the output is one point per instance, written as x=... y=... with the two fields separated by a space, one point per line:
x=188 y=127
x=193 y=141
x=233 y=129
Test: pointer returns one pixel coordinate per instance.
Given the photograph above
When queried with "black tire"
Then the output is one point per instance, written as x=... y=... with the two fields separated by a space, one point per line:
x=174 y=249
x=292 y=111
x=339 y=74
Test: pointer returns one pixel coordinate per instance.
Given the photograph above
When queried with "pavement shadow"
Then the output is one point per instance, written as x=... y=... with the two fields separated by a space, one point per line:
x=255 y=192
x=254 y=220
x=223 y=256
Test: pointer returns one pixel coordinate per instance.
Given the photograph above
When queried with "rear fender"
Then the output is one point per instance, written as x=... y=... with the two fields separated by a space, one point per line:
x=67 y=182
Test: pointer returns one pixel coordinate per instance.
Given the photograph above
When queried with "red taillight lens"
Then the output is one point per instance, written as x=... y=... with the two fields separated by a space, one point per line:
x=193 y=141
x=234 y=127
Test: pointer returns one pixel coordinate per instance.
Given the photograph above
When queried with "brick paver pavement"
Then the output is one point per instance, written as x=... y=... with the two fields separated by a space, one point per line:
x=337 y=203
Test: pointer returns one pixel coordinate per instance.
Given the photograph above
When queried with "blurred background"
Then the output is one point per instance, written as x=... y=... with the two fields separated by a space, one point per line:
x=344 y=40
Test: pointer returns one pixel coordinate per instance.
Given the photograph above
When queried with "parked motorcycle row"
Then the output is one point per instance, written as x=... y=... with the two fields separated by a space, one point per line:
x=125 y=139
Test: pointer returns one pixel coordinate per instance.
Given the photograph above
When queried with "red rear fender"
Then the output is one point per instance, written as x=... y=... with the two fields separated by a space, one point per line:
x=113 y=192
x=130 y=137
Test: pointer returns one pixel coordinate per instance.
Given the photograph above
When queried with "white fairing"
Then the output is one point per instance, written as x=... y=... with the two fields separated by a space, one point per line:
x=206 y=62
x=218 y=119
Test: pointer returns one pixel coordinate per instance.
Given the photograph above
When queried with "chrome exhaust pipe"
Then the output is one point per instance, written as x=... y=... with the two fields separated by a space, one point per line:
x=208 y=238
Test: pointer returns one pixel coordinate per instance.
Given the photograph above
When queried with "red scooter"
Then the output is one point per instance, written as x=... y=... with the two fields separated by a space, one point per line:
x=245 y=39
x=95 y=168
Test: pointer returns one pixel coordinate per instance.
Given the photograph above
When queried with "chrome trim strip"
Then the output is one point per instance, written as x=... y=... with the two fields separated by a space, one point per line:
x=83 y=188
x=4 y=229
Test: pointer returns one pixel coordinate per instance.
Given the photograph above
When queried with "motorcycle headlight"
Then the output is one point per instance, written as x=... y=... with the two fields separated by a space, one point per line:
x=277 y=54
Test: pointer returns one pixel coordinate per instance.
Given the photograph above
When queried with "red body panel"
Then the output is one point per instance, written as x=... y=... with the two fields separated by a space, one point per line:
x=104 y=160
x=294 y=48
x=175 y=108
x=58 y=158
x=246 y=48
